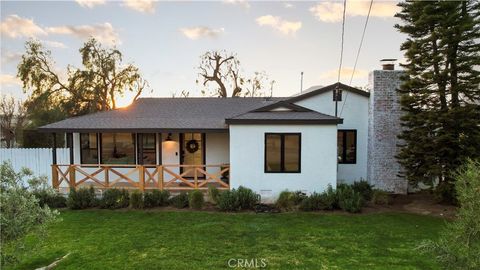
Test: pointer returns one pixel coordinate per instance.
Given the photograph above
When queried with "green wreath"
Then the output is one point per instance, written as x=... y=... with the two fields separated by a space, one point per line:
x=192 y=146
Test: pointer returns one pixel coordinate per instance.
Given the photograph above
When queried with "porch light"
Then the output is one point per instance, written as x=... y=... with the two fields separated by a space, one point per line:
x=169 y=137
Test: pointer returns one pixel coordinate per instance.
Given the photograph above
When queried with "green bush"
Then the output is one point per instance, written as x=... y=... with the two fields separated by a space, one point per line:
x=213 y=194
x=349 y=199
x=82 y=198
x=228 y=201
x=156 y=198
x=136 y=199
x=51 y=199
x=196 y=200
x=285 y=200
x=247 y=198
x=459 y=244
x=180 y=200
x=115 y=199
x=298 y=197
x=445 y=193
x=330 y=198
x=364 y=188
x=380 y=197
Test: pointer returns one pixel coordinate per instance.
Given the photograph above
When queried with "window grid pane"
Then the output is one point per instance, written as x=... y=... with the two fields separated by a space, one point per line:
x=273 y=155
x=292 y=153
x=89 y=150
x=118 y=148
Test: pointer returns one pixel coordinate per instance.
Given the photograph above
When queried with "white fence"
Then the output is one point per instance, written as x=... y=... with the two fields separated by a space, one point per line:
x=39 y=160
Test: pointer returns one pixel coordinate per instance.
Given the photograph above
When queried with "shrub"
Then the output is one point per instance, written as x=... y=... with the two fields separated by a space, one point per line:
x=331 y=198
x=312 y=203
x=115 y=199
x=364 y=188
x=156 y=198
x=228 y=201
x=51 y=199
x=285 y=200
x=459 y=243
x=136 y=199
x=298 y=197
x=213 y=194
x=380 y=197
x=196 y=199
x=445 y=193
x=247 y=198
x=349 y=199
x=180 y=200
x=82 y=198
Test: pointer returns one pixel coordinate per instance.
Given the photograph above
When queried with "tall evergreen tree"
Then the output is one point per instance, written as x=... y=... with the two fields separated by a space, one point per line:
x=440 y=95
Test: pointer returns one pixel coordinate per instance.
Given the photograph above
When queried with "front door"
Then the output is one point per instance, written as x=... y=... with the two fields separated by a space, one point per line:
x=192 y=149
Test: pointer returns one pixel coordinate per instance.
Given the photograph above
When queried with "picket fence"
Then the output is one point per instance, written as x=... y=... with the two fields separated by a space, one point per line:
x=39 y=160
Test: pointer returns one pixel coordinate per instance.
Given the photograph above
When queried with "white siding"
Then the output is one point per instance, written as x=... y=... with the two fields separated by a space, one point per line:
x=217 y=150
x=355 y=116
x=318 y=159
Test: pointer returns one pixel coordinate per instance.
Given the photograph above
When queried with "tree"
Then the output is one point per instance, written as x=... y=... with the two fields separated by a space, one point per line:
x=94 y=87
x=220 y=70
x=12 y=120
x=440 y=94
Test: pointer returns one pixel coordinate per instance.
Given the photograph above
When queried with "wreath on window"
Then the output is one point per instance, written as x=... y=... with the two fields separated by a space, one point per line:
x=192 y=146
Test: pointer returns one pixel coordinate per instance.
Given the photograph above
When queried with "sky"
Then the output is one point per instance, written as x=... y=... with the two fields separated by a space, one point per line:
x=166 y=39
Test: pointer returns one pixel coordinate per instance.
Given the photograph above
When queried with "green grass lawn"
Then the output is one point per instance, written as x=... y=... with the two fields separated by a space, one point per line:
x=104 y=239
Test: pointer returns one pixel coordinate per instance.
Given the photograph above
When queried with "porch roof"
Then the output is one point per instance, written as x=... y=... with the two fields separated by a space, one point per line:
x=164 y=115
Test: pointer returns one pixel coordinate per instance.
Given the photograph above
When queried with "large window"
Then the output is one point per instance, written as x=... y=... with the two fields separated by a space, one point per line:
x=118 y=148
x=147 y=149
x=282 y=152
x=347 y=146
x=89 y=148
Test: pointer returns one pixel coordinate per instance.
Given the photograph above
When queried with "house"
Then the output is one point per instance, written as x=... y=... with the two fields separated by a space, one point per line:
x=266 y=144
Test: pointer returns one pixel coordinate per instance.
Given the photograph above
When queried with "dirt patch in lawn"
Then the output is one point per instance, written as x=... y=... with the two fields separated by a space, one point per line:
x=421 y=203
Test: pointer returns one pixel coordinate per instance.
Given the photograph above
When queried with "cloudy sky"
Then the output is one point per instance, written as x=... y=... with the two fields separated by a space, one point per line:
x=165 y=39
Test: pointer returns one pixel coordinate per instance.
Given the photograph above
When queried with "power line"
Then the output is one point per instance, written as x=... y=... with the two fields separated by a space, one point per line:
x=358 y=53
x=341 y=56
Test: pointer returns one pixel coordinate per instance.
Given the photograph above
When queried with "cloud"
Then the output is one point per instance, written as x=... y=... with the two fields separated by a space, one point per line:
x=15 y=26
x=345 y=74
x=90 y=3
x=9 y=80
x=242 y=3
x=10 y=57
x=54 y=44
x=333 y=11
x=145 y=6
x=105 y=33
x=288 y=5
x=198 y=32
x=283 y=26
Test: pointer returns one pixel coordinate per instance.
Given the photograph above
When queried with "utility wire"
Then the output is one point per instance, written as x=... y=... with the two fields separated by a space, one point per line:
x=341 y=57
x=358 y=54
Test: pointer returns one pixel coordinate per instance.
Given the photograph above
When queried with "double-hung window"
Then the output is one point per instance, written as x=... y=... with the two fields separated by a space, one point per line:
x=282 y=152
x=347 y=146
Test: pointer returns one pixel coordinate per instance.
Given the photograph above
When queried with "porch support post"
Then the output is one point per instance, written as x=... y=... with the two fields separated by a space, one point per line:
x=54 y=149
x=55 y=184
x=70 y=145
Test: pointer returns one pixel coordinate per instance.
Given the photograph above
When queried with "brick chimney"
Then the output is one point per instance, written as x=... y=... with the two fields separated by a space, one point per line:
x=383 y=127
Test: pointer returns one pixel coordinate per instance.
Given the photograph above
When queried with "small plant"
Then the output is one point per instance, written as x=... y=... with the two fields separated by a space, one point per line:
x=196 y=200
x=180 y=200
x=364 y=188
x=115 y=199
x=298 y=196
x=349 y=200
x=228 y=201
x=316 y=201
x=213 y=194
x=285 y=201
x=136 y=199
x=247 y=198
x=445 y=193
x=380 y=197
x=330 y=198
x=156 y=198
x=51 y=199
x=82 y=198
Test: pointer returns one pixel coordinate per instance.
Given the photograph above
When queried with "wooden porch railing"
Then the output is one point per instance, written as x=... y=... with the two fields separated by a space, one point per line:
x=141 y=177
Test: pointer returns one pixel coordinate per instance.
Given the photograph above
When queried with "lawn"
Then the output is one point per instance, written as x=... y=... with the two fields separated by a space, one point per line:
x=104 y=239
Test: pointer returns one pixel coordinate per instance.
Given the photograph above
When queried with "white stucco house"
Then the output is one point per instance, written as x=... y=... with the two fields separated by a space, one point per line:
x=266 y=144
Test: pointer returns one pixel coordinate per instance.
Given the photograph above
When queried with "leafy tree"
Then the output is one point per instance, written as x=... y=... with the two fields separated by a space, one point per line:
x=94 y=87
x=440 y=94
x=221 y=74
x=12 y=120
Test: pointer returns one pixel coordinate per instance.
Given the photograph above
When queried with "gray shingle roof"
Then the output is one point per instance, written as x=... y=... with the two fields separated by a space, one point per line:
x=163 y=114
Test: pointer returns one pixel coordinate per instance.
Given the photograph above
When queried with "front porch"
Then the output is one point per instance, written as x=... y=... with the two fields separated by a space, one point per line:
x=142 y=177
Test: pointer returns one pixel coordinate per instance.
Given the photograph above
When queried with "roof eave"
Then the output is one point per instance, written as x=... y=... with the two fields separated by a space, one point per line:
x=284 y=121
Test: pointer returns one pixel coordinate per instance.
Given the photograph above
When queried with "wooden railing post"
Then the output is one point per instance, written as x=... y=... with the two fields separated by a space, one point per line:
x=71 y=176
x=160 y=177
x=107 y=184
x=141 y=178
x=55 y=184
x=195 y=177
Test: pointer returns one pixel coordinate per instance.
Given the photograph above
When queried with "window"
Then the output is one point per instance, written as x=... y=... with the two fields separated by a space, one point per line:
x=347 y=146
x=282 y=152
x=89 y=148
x=147 y=153
x=118 y=148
